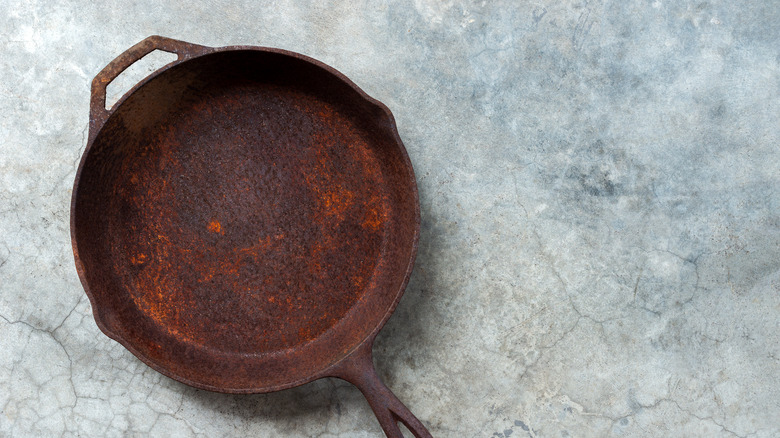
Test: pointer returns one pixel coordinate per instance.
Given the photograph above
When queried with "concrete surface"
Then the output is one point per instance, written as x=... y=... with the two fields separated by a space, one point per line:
x=600 y=192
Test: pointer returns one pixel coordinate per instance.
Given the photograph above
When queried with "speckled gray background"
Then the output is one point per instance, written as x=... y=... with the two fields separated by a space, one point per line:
x=600 y=194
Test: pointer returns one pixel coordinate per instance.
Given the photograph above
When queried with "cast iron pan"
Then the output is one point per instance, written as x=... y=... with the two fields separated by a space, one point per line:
x=245 y=220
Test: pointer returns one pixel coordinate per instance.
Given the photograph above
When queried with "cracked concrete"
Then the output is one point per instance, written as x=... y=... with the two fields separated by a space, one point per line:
x=600 y=196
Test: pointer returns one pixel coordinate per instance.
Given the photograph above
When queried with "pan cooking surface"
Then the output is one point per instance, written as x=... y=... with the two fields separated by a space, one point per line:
x=225 y=219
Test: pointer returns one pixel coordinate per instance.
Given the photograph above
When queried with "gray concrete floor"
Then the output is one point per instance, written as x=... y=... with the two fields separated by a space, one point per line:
x=600 y=195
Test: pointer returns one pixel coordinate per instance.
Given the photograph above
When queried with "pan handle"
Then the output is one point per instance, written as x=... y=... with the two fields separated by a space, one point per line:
x=358 y=369
x=98 y=113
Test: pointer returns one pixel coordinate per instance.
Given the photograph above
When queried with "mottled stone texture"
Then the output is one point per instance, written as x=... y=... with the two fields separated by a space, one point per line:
x=600 y=194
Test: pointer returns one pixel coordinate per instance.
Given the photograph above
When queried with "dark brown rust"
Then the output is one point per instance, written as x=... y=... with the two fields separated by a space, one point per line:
x=245 y=220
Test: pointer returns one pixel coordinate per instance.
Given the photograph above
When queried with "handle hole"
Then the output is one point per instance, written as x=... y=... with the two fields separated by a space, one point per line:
x=136 y=73
x=405 y=431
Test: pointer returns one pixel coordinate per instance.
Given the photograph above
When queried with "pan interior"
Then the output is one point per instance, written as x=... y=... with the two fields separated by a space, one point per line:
x=243 y=204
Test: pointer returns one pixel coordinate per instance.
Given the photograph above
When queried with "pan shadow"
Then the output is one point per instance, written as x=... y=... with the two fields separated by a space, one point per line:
x=293 y=411
x=402 y=345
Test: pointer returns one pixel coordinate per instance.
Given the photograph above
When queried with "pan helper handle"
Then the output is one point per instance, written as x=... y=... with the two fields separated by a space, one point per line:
x=358 y=369
x=98 y=112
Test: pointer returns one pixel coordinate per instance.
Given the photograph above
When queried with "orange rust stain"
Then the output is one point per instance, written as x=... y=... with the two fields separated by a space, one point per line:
x=305 y=333
x=373 y=219
x=337 y=201
x=215 y=227
x=357 y=280
x=262 y=246
x=138 y=259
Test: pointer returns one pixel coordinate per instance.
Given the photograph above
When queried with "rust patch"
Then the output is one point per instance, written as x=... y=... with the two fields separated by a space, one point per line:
x=215 y=227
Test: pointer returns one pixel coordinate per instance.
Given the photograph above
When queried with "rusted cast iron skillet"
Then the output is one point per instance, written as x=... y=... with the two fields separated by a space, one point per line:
x=245 y=220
